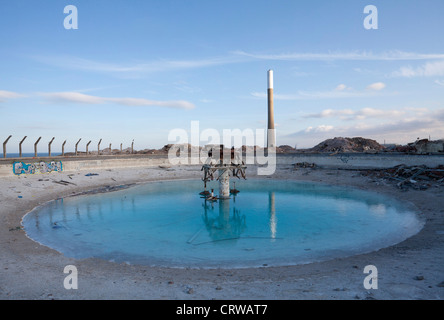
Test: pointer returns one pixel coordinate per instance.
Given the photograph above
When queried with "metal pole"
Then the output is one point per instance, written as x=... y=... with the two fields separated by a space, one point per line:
x=87 y=147
x=132 y=147
x=35 y=147
x=4 y=146
x=20 y=146
x=98 y=147
x=63 y=148
x=121 y=148
x=77 y=145
x=49 y=147
x=110 y=149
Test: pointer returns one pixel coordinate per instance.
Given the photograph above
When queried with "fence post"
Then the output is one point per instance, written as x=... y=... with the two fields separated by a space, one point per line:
x=20 y=146
x=87 y=145
x=63 y=148
x=49 y=147
x=35 y=147
x=98 y=147
x=4 y=146
x=77 y=145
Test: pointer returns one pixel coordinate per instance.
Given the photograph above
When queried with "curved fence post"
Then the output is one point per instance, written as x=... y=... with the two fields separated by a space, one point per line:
x=35 y=147
x=49 y=146
x=63 y=148
x=87 y=145
x=98 y=147
x=4 y=146
x=20 y=146
x=77 y=145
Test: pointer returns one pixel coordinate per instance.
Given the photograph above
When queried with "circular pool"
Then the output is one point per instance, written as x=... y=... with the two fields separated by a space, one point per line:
x=268 y=223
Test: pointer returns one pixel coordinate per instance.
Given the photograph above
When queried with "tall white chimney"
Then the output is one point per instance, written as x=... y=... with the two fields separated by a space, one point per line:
x=271 y=133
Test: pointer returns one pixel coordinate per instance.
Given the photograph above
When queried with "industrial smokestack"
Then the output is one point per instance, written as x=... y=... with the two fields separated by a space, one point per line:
x=271 y=133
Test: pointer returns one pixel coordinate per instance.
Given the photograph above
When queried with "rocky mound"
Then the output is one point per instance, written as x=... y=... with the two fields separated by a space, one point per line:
x=340 y=144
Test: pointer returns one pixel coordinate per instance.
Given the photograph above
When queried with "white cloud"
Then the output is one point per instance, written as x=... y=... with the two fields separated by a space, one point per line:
x=133 y=69
x=313 y=95
x=398 y=128
x=348 y=114
x=75 y=97
x=158 y=65
x=376 y=113
x=376 y=86
x=340 y=92
x=341 y=87
x=6 y=95
x=329 y=113
x=429 y=69
x=439 y=82
x=321 y=128
x=356 y=55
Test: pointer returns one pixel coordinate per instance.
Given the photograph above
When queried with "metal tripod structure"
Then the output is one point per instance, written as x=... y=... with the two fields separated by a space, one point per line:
x=235 y=166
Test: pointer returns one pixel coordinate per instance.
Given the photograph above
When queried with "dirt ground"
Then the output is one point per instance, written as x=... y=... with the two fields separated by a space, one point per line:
x=412 y=269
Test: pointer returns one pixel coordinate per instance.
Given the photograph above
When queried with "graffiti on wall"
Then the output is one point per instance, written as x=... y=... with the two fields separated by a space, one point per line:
x=36 y=167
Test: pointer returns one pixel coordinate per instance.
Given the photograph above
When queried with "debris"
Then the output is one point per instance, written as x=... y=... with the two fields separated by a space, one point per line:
x=64 y=182
x=234 y=190
x=59 y=182
x=339 y=144
x=189 y=290
x=419 y=278
x=67 y=182
x=304 y=165
x=424 y=146
x=91 y=174
x=421 y=146
x=285 y=149
x=416 y=177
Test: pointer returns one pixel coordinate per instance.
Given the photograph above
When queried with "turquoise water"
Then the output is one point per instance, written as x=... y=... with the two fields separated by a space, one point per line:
x=267 y=223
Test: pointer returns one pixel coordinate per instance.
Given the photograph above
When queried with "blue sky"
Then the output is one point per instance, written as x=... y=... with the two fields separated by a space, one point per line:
x=138 y=69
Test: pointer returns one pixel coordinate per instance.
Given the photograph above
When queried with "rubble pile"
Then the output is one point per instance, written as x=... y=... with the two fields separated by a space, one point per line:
x=422 y=146
x=340 y=144
x=304 y=165
x=416 y=177
x=285 y=149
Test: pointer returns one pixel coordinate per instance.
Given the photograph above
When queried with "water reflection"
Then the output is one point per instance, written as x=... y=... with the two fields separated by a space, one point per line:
x=272 y=215
x=223 y=226
x=227 y=226
x=378 y=209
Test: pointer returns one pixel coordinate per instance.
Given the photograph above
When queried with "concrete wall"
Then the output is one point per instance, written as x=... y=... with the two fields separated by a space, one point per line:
x=343 y=161
x=362 y=160
x=75 y=164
